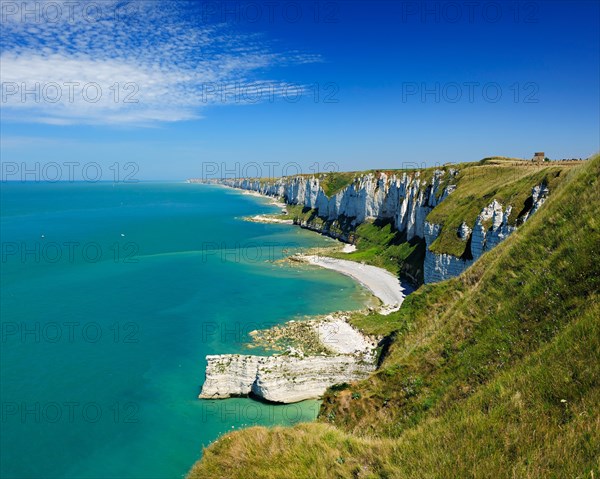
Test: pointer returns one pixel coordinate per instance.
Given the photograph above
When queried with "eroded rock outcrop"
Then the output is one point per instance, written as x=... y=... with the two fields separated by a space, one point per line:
x=345 y=355
x=281 y=378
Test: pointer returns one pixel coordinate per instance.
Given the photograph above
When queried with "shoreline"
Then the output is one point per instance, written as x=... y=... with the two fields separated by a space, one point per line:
x=380 y=282
x=272 y=200
x=267 y=219
x=316 y=354
x=331 y=351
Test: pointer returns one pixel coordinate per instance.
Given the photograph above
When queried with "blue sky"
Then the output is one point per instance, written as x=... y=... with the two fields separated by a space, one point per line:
x=398 y=83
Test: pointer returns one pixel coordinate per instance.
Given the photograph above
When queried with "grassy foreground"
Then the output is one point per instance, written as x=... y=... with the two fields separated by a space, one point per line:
x=493 y=374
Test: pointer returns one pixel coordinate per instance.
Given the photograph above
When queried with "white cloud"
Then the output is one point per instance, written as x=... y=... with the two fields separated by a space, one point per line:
x=127 y=63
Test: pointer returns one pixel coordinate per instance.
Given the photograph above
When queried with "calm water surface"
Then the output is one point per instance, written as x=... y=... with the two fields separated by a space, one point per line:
x=112 y=296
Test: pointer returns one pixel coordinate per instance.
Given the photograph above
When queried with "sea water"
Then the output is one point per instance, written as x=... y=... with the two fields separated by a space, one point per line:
x=111 y=297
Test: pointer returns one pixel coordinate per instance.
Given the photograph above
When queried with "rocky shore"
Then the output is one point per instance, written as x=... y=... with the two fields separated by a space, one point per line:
x=345 y=355
x=267 y=219
x=282 y=379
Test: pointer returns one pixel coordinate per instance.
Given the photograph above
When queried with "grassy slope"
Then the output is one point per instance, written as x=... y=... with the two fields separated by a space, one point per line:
x=334 y=182
x=508 y=181
x=492 y=374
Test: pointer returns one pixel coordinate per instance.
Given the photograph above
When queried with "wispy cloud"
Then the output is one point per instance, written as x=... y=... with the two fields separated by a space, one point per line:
x=139 y=62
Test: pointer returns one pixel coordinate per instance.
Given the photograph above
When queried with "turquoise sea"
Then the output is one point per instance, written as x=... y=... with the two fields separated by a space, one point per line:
x=111 y=297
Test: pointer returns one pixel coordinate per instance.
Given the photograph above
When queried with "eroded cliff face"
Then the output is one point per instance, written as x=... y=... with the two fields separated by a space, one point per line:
x=282 y=379
x=406 y=200
x=490 y=229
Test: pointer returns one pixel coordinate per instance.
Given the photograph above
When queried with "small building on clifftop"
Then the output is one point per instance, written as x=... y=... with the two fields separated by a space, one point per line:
x=539 y=156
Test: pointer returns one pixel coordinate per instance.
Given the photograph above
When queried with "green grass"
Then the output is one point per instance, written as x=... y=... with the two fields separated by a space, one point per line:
x=516 y=426
x=335 y=182
x=495 y=373
x=300 y=213
x=427 y=297
x=461 y=332
x=477 y=185
x=380 y=244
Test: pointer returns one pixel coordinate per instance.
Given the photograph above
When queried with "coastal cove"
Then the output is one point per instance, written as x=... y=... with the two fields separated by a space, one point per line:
x=343 y=354
x=194 y=285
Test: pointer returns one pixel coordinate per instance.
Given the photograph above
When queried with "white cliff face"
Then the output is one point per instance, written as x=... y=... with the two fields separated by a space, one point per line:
x=296 y=376
x=229 y=375
x=283 y=379
x=491 y=228
x=538 y=196
x=439 y=267
x=404 y=199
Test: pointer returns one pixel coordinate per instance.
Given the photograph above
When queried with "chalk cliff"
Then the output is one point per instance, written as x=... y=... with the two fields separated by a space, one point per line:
x=406 y=199
x=491 y=228
x=279 y=378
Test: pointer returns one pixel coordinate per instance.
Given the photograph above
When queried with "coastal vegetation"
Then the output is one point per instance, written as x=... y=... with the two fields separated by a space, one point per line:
x=377 y=243
x=494 y=373
x=507 y=181
x=380 y=244
x=336 y=181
